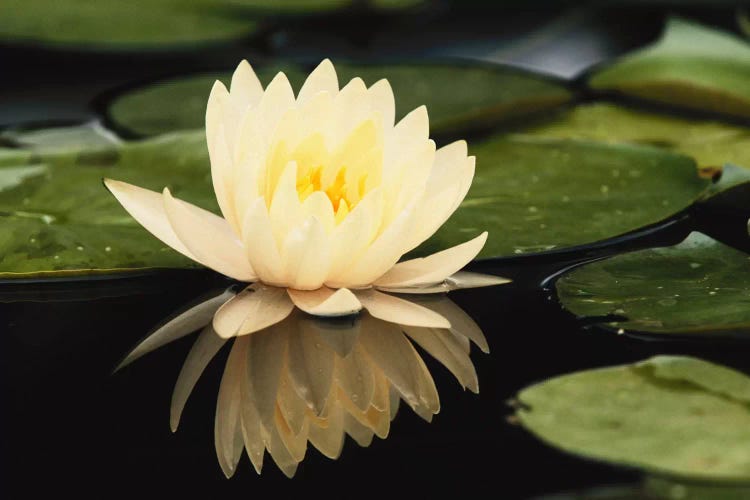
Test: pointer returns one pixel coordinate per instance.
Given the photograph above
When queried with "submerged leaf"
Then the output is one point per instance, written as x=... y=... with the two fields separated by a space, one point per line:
x=691 y=65
x=491 y=94
x=699 y=287
x=618 y=415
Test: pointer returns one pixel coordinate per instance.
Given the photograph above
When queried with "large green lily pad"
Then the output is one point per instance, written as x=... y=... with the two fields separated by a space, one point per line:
x=691 y=66
x=699 y=287
x=457 y=97
x=121 y=24
x=58 y=220
x=535 y=194
x=672 y=415
x=711 y=143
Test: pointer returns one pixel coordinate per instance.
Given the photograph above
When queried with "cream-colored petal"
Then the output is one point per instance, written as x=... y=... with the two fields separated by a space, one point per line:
x=223 y=175
x=340 y=334
x=217 y=100
x=456 y=281
x=276 y=100
x=280 y=454
x=285 y=210
x=311 y=364
x=381 y=97
x=325 y=301
x=181 y=325
x=255 y=308
x=209 y=238
x=461 y=323
x=306 y=255
x=394 y=400
x=292 y=406
x=202 y=352
x=252 y=429
x=318 y=205
x=296 y=444
x=395 y=310
x=227 y=420
x=433 y=268
x=351 y=106
x=266 y=358
x=361 y=434
x=355 y=378
x=321 y=79
x=260 y=244
x=381 y=255
x=246 y=90
x=408 y=135
x=329 y=440
x=147 y=208
x=429 y=401
x=444 y=347
x=395 y=356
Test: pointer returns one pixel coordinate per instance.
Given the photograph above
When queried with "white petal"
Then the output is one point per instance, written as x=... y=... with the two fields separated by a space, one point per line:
x=306 y=255
x=433 y=268
x=408 y=134
x=396 y=310
x=255 y=308
x=209 y=238
x=456 y=281
x=252 y=428
x=286 y=210
x=462 y=324
x=217 y=100
x=381 y=96
x=382 y=254
x=292 y=406
x=147 y=207
x=318 y=205
x=202 y=352
x=340 y=334
x=322 y=79
x=276 y=100
x=181 y=325
x=325 y=301
x=329 y=440
x=246 y=90
x=351 y=106
x=260 y=244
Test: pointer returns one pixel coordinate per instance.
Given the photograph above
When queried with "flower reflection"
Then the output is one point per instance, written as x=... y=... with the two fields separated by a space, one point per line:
x=314 y=380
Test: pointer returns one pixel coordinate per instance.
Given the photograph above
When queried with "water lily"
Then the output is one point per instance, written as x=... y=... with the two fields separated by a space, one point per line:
x=311 y=381
x=321 y=195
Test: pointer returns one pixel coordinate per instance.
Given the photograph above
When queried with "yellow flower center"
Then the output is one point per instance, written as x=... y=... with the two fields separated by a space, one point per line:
x=343 y=199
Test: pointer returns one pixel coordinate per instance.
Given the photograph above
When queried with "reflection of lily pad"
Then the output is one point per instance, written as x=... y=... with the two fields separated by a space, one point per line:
x=710 y=143
x=456 y=96
x=697 y=287
x=57 y=218
x=672 y=415
x=692 y=66
x=541 y=194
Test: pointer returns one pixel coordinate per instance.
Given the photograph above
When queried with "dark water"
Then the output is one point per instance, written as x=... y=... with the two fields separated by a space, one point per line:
x=69 y=426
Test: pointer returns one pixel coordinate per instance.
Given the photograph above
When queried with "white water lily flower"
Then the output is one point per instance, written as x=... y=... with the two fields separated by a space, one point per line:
x=321 y=195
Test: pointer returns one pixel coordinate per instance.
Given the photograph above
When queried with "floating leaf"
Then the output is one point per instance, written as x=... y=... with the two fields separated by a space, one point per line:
x=57 y=218
x=87 y=137
x=697 y=287
x=121 y=24
x=691 y=65
x=534 y=194
x=671 y=415
x=456 y=96
x=711 y=143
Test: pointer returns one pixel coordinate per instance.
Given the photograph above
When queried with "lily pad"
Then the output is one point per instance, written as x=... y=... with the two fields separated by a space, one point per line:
x=121 y=24
x=693 y=66
x=58 y=220
x=699 y=287
x=711 y=143
x=535 y=194
x=457 y=96
x=618 y=415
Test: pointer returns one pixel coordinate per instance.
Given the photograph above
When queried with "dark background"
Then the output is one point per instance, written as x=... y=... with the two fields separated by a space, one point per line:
x=68 y=426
